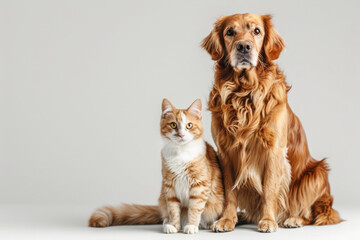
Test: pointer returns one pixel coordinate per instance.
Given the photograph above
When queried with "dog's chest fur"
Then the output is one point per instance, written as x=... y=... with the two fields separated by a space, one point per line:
x=242 y=120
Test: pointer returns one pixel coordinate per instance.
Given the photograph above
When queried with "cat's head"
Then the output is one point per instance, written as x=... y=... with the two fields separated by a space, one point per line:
x=181 y=126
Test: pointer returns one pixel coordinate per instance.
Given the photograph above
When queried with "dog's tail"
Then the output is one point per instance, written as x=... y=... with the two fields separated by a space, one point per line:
x=323 y=212
x=126 y=214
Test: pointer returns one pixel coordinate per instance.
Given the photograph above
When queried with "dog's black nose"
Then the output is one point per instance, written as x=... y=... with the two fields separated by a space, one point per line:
x=244 y=46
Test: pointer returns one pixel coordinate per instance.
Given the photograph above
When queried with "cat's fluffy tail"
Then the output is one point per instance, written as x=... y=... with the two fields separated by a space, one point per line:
x=126 y=214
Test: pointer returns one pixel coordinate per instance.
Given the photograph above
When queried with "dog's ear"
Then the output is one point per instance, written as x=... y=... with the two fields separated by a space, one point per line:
x=212 y=42
x=273 y=43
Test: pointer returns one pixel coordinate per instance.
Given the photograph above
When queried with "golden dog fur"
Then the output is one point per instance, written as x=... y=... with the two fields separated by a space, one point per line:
x=268 y=170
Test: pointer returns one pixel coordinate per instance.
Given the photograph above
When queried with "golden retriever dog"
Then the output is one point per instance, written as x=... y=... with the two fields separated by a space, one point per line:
x=268 y=170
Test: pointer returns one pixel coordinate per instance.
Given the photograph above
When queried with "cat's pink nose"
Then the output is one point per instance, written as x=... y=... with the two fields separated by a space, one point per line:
x=181 y=135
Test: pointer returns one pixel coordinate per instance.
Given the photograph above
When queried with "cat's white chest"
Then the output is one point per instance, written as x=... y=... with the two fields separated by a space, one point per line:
x=176 y=155
x=182 y=188
x=178 y=158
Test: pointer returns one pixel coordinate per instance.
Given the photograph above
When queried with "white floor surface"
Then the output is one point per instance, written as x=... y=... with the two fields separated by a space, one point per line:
x=69 y=222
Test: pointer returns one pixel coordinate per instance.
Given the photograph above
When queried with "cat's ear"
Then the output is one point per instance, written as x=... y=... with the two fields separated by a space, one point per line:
x=167 y=107
x=195 y=108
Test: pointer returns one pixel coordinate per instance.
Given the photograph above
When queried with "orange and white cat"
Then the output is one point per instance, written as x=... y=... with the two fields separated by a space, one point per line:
x=192 y=192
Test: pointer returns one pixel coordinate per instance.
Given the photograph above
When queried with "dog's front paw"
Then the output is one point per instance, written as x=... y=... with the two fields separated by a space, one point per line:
x=223 y=225
x=168 y=228
x=267 y=225
x=191 y=229
x=293 y=222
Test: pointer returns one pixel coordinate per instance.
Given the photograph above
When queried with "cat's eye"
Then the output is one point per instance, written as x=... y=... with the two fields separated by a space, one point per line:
x=189 y=125
x=173 y=125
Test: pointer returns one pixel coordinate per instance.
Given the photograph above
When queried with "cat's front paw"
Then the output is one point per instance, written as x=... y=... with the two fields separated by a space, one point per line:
x=191 y=229
x=168 y=228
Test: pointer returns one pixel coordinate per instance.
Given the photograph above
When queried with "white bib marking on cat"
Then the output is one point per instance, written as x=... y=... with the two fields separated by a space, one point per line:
x=177 y=158
x=182 y=188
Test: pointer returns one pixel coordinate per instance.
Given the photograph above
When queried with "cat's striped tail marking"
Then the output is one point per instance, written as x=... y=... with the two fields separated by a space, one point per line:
x=126 y=214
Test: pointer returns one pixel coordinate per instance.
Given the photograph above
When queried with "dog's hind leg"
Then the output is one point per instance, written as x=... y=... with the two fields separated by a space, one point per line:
x=310 y=201
x=323 y=213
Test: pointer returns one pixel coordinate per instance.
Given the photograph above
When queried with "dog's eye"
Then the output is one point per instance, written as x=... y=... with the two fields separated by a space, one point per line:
x=230 y=32
x=257 y=31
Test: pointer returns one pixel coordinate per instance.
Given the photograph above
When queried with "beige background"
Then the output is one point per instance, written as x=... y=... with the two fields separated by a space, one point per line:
x=81 y=83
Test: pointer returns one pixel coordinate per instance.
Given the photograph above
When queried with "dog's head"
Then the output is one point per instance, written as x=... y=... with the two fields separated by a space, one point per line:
x=242 y=40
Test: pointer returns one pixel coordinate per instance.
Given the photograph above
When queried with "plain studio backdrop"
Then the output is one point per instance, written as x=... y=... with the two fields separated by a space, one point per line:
x=81 y=85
